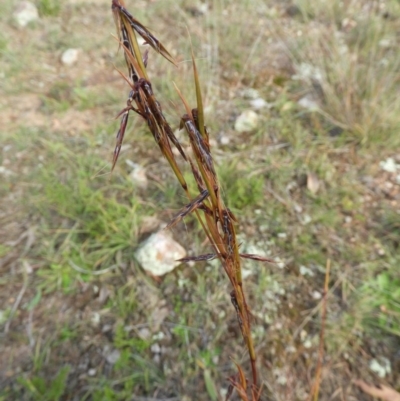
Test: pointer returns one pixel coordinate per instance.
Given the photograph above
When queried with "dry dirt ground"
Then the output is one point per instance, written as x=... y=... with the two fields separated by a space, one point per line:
x=308 y=187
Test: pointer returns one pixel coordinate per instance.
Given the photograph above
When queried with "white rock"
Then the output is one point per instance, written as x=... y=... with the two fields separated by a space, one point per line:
x=113 y=357
x=305 y=219
x=291 y=349
x=389 y=165
x=308 y=72
x=246 y=273
x=159 y=253
x=155 y=348
x=247 y=121
x=159 y=336
x=95 y=318
x=138 y=174
x=203 y=8
x=309 y=103
x=305 y=271
x=250 y=93
x=5 y=171
x=144 y=333
x=386 y=43
x=381 y=367
x=279 y=262
x=25 y=13
x=259 y=103
x=70 y=56
x=92 y=372
x=224 y=139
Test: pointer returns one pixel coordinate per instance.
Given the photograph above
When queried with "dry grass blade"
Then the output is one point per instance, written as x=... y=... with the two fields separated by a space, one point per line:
x=200 y=149
x=185 y=103
x=218 y=223
x=194 y=204
x=143 y=32
x=120 y=138
x=197 y=177
x=211 y=256
x=159 y=116
x=137 y=64
x=201 y=258
x=315 y=389
x=199 y=99
x=256 y=257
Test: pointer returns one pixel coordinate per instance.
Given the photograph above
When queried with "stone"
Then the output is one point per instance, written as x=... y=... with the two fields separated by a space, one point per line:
x=389 y=165
x=113 y=356
x=155 y=348
x=250 y=93
x=70 y=56
x=313 y=183
x=25 y=13
x=138 y=175
x=305 y=271
x=247 y=121
x=159 y=253
x=224 y=139
x=308 y=102
x=144 y=333
x=381 y=366
x=259 y=103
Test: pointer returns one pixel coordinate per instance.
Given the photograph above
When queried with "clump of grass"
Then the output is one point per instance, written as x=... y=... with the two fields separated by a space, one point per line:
x=43 y=390
x=352 y=67
x=49 y=8
x=205 y=199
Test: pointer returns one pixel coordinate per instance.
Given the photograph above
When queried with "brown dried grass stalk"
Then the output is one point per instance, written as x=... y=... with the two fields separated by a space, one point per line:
x=215 y=218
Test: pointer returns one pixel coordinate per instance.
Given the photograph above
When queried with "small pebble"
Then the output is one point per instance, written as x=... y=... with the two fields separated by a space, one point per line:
x=138 y=176
x=246 y=273
x=305 y=219
x=308 y=103
x=155 y=349
x=70 y=56
x=305 y=271
x=113 y=357
x=250 y=93
x=247 y=121
x=144 y=333
x=259 y=104
x=25 y=13
x=389 y=165
x=224 y=139
x=381 y=366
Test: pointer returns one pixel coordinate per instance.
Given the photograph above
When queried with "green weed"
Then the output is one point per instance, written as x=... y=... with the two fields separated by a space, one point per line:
x=382 y=293
x=41 y=389
x=243 y=189
x=49 y=8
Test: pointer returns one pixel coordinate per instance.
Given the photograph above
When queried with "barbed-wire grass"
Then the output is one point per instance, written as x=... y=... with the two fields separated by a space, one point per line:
x=206 y=202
